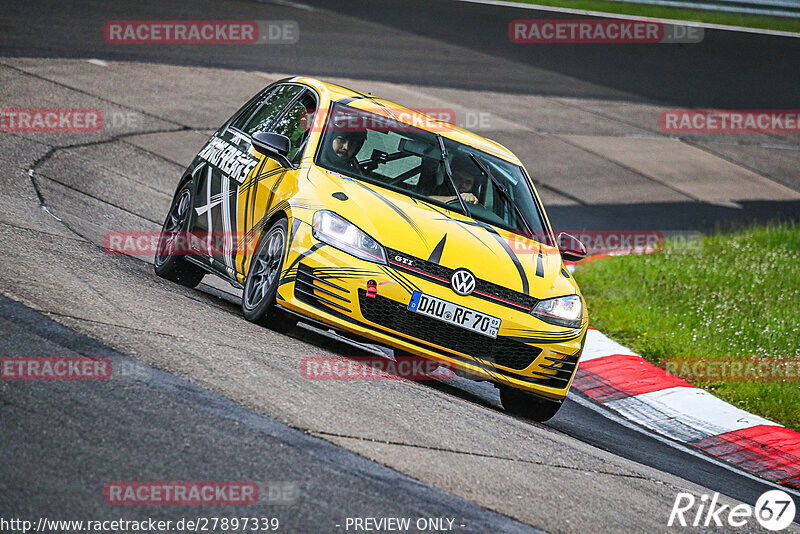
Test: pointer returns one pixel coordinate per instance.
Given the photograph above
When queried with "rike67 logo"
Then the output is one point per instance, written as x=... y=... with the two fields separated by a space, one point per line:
x=774 y=510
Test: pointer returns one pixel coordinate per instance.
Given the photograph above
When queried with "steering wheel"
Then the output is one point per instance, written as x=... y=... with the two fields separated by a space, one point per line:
x=456 y=201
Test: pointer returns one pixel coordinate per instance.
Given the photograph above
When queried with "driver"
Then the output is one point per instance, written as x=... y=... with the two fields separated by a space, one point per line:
x=462 y=169
x=344 y=147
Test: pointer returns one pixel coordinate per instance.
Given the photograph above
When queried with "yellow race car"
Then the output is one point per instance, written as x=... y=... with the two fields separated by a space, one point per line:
x=342 y=209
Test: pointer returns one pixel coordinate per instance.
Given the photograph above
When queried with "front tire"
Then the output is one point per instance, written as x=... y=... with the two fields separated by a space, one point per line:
x=263 y=277
x=527 y=405
x=167 y=264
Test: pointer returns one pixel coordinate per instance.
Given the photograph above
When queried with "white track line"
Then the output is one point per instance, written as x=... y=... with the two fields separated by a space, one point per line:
x=686 y=414
x=598 y=345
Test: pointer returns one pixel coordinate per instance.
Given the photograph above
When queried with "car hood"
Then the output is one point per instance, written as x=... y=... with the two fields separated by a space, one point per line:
x=446 y=237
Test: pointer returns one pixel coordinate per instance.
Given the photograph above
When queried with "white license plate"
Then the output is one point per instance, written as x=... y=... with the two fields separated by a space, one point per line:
x=455 y=314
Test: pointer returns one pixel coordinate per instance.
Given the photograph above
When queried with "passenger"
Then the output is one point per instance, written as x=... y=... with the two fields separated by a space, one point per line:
x=343 y=149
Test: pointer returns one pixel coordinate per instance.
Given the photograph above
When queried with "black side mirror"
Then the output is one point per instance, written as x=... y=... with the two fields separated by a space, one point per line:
x=275 y=146
x=570 y=247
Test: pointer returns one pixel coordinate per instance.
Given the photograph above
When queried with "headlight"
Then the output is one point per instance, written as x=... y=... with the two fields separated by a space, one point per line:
x=562 y=311
x=344 y=235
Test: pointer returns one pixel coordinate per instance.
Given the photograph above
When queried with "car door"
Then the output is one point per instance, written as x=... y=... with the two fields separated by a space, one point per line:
x=257 y=197
x=223 y=180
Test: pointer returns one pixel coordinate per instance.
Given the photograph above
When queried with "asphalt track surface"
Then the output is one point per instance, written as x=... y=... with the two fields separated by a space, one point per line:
x=461 y=45
x=188 y=421
x=53 y=433
x=727 y=70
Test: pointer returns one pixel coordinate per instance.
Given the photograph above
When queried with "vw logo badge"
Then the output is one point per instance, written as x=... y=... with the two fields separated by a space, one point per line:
x=462 y=282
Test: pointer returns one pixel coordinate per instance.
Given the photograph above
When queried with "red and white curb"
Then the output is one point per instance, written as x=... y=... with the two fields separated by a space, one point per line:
x=621 y=380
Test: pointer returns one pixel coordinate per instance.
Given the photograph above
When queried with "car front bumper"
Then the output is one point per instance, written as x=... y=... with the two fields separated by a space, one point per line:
x=330 y=286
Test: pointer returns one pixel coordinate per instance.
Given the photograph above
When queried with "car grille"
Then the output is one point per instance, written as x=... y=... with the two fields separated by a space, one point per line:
x=396 y=316
x=441 y=275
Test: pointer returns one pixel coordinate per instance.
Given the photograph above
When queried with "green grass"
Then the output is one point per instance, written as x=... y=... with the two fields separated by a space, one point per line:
x=677 y=13
x=733 y=296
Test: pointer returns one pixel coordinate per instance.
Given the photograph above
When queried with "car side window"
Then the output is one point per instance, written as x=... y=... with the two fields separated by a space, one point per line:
x=296 y=124
x=271 y=108
x=246 y=112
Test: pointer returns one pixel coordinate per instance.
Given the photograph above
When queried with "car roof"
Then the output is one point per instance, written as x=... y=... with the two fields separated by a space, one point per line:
x=389 y=109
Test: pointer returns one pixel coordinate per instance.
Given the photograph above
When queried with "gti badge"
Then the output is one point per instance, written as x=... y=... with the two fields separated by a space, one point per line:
x=462 y=282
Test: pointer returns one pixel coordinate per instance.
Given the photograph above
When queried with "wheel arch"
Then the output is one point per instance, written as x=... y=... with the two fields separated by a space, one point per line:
x=274 y=215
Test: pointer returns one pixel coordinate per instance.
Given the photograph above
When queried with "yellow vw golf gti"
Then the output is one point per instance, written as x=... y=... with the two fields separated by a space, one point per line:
x=347 y=211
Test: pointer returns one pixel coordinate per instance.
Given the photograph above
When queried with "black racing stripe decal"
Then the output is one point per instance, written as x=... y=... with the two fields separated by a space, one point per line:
x=258 y=177
x=459 y=223
x=343 y=276
x=436 y=255
x=259 y=226
x=251 y=215
x=345 y=270
x=287 y=280
x=397 y=210
x=542 y=340
x=245 y=190
x=274 y=188
x=282 y=205
x=405 y=284
x=406 y=280
x=522 y=276
x=402 y=283
x=343 y=273
x=253 y=193
x=293 y=232
x=298 y=203
x=570 y=332
x=539 y=263
x=279 y=170
x=233 y=224
x=349 y=269
x=299 y=257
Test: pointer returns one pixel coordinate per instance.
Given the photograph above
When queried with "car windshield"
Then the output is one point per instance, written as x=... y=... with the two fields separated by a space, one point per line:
x=407 y=159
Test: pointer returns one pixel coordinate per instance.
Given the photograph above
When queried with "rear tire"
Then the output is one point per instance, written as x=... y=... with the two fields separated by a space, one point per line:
x=261 y=285
x=528 y=405
x=175 y=267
